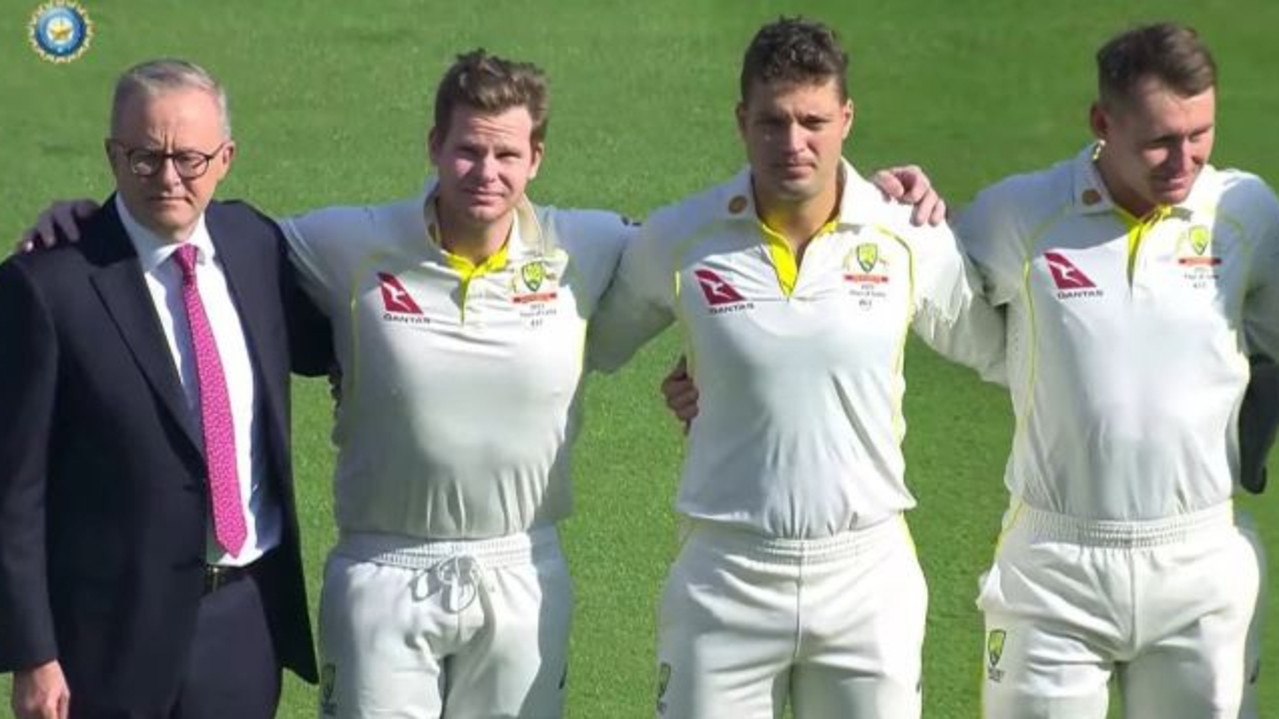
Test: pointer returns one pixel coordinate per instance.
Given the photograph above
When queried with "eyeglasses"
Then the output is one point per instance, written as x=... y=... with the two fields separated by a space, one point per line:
x=144 y=162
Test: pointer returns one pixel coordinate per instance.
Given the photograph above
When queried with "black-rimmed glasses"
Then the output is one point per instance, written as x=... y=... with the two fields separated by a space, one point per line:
x=144 y=162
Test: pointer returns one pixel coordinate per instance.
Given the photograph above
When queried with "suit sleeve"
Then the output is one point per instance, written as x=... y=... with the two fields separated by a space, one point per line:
x=28 y=374
x=310 y=332
x=952 y=314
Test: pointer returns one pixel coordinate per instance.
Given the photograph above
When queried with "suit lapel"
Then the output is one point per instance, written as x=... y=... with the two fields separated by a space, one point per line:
x=250 y=291
x=121 y=286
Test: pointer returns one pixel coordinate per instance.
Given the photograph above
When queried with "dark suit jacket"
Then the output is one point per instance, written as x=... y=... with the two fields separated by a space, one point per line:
x=103 y=497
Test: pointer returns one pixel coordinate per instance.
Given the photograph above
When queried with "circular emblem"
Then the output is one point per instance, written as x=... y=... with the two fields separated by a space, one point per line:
x=60 y=31
x=1091 y=197
x=737 y=204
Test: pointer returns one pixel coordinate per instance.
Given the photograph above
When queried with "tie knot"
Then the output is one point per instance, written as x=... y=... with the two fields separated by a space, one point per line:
x=185 y=257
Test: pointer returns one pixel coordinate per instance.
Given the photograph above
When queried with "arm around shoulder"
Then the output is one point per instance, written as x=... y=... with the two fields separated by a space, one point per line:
x=637 y=304
x=310 y=331
x=952 y=312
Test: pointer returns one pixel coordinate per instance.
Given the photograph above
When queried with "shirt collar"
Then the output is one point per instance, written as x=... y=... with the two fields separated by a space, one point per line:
x=526 y=236
x=152 y=249
x=1090 y=196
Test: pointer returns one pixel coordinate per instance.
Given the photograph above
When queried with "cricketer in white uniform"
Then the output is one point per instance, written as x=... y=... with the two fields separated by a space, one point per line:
x=1136 y=280
x=797 y=578
x=447 y=594
x=459 y=408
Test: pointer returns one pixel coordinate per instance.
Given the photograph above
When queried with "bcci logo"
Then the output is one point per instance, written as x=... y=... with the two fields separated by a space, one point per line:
x=994 y=652
x=60 y=31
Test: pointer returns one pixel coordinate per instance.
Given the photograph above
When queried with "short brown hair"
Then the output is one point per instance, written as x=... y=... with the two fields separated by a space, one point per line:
x=1167 y=52
x=492 y=84
x=795 y=50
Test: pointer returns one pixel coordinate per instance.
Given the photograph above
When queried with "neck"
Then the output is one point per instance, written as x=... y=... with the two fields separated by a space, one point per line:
x=475 y=242
x=798 y=221
x=1123 y=198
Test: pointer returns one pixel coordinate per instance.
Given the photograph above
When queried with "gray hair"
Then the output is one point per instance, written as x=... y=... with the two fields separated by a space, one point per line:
x=154 y=77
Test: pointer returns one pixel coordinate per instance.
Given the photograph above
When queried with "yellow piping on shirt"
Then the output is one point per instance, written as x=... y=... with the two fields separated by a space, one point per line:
x=468 y=271
x=1032 y=359
x=910 y=538
x=1014 y=514
x=1138 y=229
x=785 y=262
x=899 y=416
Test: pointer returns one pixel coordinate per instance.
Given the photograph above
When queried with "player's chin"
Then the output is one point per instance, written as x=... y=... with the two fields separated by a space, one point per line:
x=795 y=189
x=488 y=212
x=1173 y=190
x=1172 y=195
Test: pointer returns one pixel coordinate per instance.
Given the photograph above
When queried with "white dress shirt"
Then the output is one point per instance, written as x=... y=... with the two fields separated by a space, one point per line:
x=164 y=283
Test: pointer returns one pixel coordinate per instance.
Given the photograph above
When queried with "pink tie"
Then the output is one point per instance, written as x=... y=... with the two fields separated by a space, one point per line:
x=215 y=414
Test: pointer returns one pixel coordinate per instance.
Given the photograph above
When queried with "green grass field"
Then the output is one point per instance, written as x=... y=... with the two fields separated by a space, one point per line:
x=331 y=102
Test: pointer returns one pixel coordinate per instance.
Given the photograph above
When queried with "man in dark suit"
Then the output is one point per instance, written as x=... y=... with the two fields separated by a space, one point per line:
x=149 y=557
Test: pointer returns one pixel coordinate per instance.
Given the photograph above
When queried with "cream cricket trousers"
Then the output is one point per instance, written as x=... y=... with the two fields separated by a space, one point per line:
x=448 y=629
x=1164 y=606
x=835 y=625
x=1252 y=665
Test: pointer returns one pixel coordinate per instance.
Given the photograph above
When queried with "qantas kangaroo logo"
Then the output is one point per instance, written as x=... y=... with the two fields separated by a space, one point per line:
x=1065 y=274
x=1070 y=280
x=394 y=297
x=716 y=290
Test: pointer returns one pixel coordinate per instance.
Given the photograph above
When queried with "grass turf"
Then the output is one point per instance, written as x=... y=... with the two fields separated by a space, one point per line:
x=331 y=101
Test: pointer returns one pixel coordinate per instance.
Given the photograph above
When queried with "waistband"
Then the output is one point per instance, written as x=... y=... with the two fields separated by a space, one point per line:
x=1122 y=534
x=796 y=551
x=416 y=553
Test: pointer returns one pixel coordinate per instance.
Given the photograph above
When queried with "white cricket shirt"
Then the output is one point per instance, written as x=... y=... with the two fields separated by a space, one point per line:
x=799 y=369
x=1127 y=349
x=460 y=382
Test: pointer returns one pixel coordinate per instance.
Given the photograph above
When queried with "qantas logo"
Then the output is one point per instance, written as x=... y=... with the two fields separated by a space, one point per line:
x=1070 y=280
x=716 y=290
x=1065 y=274
x=395 y=298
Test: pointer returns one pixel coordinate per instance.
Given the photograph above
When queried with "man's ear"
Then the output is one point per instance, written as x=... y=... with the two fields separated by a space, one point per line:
x=433 y=142
x=1099 y=121
x=539 y=151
